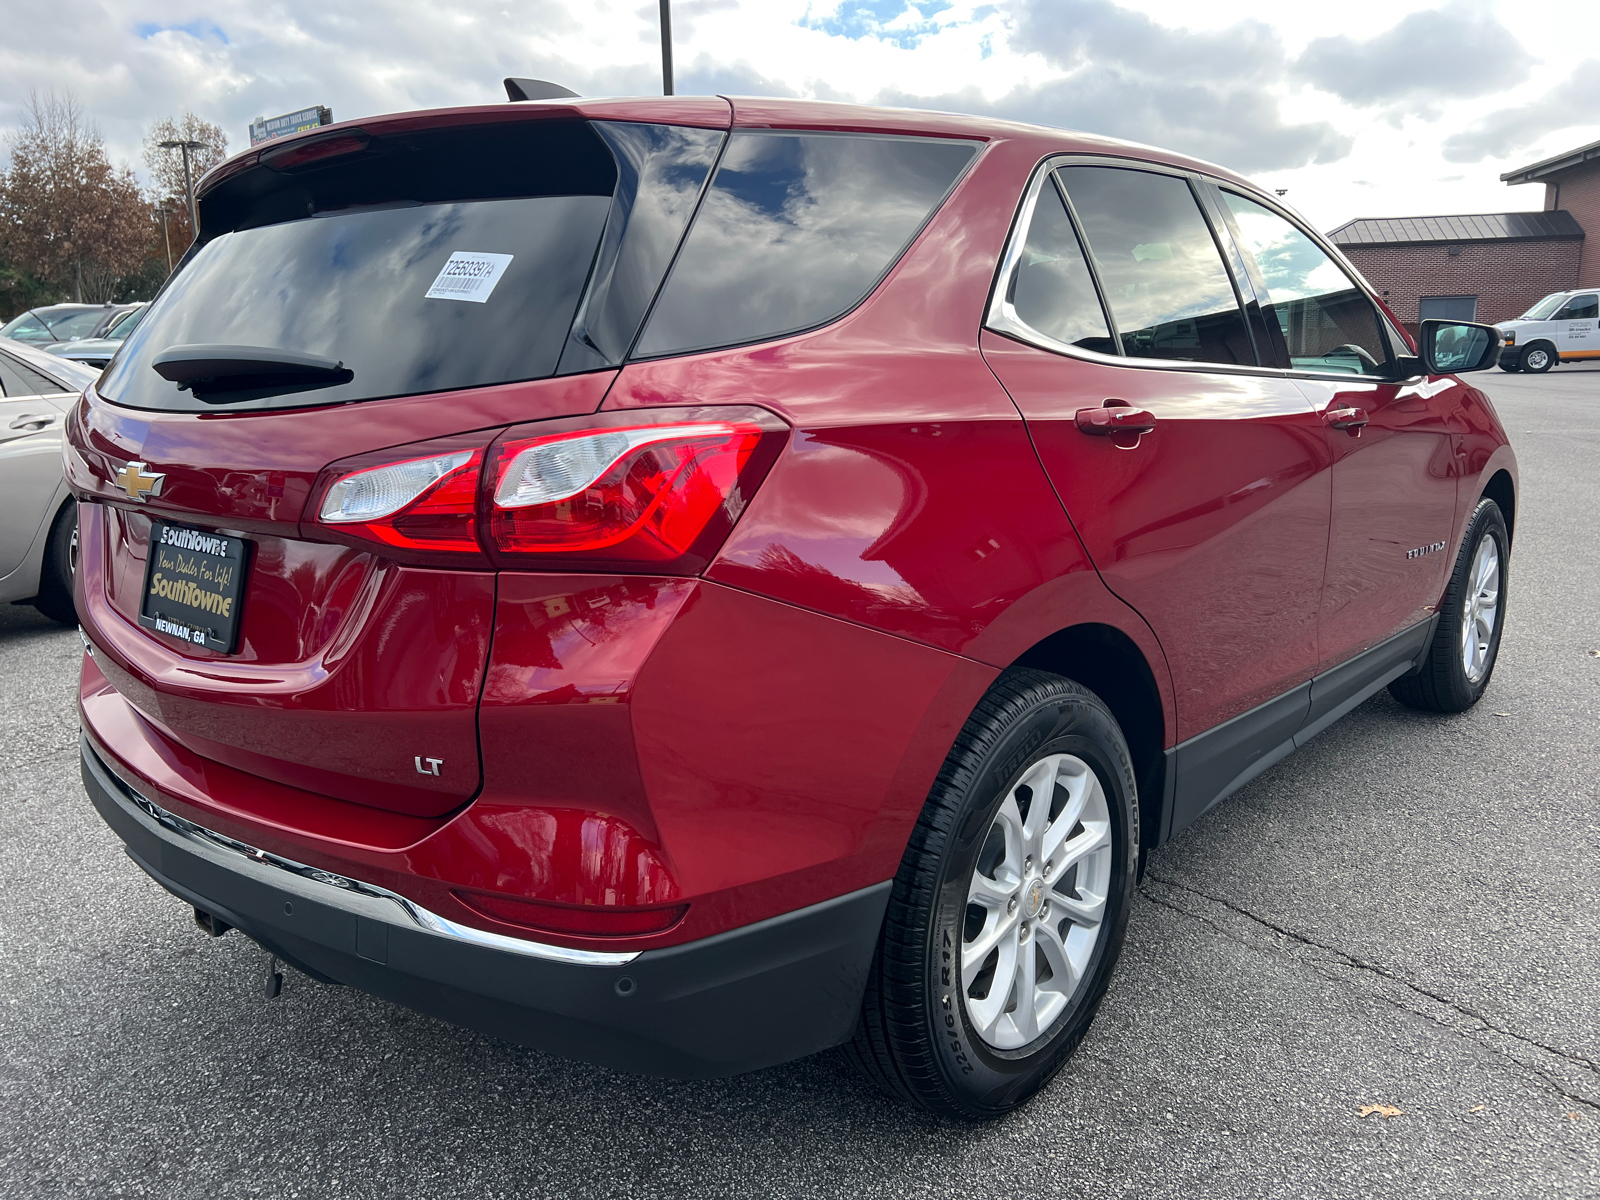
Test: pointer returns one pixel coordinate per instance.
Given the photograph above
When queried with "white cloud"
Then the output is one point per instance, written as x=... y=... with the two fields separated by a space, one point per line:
x=1245 y=82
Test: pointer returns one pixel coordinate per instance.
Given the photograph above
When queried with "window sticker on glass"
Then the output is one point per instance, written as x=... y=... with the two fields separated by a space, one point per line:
x=469 y=276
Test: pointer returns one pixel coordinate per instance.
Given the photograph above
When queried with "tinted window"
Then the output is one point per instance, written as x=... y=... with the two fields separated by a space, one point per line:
x=1163 y=277
x=355 y=287
x=1328 y=323
x=794 y=230
x=661 y=170
x=1579 y=308
x=1051 y=289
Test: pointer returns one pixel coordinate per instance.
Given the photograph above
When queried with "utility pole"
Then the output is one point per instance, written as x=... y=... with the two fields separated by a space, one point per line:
x=166 y=237
x=188 y=182
x=666 y=47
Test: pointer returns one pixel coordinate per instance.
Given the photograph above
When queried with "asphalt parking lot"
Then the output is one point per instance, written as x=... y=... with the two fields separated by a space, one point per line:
x=1406 y=913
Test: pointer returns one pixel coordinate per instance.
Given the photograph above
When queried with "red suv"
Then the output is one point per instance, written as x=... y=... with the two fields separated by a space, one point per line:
x=686 y=583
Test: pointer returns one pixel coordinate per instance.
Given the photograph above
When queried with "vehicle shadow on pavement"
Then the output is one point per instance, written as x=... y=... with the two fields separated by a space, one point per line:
x=22 y=622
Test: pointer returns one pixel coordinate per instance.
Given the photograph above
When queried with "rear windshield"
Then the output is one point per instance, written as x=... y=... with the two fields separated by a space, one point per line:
x=419 y=298
x=430 y=262
x=794 y=231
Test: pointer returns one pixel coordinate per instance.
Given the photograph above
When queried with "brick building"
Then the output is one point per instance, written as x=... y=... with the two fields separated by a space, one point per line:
x=1487 y=266
x=1482 y=267
x=1571 y=184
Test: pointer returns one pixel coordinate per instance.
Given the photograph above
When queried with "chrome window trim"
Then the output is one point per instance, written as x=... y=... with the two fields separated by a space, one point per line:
x=1002 y=318
x=418 y=916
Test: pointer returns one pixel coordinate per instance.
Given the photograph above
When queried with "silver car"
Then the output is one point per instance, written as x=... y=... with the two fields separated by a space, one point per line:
x=97 y=352
x=37 y=516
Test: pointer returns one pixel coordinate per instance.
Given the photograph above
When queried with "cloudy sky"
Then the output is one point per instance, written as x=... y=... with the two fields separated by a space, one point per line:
x=1360 y=108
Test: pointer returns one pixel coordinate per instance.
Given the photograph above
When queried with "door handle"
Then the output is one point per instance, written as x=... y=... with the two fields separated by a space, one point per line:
x=1115 y=417
x=32 y=422
x=1351 y=419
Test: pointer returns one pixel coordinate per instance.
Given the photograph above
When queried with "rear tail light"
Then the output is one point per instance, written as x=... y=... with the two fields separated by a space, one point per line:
x=656 y=489
x=641 y=495
x=423 y=507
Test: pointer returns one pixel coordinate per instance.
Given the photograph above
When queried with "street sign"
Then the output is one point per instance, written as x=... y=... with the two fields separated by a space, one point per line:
x=264 y=129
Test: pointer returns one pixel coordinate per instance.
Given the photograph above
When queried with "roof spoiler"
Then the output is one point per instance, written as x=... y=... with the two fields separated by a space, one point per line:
x=536 y=89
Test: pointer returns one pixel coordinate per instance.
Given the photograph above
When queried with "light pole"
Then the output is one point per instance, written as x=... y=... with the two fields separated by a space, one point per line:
x=188 y=183
x=166 y=237
x=666 y=47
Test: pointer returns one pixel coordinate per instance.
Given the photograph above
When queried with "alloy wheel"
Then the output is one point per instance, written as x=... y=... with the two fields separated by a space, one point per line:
x=1480 y=609
x=1036 y=902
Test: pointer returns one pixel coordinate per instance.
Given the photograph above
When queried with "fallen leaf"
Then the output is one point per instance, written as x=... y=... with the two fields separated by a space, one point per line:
x=1476 y=1108
x=1574 y=1116
x=1383 y=1110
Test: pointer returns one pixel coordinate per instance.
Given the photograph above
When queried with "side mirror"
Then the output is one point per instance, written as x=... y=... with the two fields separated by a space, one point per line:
x=1451 y=347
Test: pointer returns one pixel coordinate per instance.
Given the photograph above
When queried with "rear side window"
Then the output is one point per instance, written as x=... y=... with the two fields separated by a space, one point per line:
x=1164 y=280
x=1051 y=290
x=1327 y=322
x=794 y=231
x=427 y=262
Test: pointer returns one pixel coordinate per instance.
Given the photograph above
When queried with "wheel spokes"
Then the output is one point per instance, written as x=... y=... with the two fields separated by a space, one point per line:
x=997 y=928
x=1025 y=1016
x=1028 y=955
x=986 y=1012
x=1084 y=910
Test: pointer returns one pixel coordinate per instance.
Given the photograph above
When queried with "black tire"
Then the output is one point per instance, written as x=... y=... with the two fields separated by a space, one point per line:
x=55 y=571
x=915 y=1038
x=1510 y=366
x=1537 y=358
x=1444 y=683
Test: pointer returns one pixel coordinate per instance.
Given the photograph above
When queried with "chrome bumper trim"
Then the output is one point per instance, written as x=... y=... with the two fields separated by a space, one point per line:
x=419 y=916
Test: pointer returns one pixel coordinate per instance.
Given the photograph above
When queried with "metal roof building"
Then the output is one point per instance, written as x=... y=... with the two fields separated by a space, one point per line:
x=1469 y=227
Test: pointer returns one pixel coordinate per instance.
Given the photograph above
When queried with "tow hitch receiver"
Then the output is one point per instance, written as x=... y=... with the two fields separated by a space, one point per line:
x=214 y=926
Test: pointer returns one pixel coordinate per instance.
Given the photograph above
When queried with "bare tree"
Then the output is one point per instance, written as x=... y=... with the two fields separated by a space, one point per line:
x=66 y=213
x=166 y=166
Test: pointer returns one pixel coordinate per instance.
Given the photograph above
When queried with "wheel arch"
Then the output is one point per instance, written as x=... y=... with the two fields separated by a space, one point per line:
x=1109 y=663
x=1503 y=492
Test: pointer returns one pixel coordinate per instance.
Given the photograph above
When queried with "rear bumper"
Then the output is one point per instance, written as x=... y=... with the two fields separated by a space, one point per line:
x=749 y=998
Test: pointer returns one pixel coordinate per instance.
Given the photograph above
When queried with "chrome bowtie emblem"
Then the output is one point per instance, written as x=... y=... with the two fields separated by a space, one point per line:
x=138 y=482
x=1033 y=899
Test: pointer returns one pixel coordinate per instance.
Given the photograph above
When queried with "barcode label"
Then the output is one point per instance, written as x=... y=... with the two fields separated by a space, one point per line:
x=469 y=276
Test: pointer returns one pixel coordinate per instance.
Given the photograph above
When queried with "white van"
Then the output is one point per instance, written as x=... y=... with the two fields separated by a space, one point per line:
x=1560 y=328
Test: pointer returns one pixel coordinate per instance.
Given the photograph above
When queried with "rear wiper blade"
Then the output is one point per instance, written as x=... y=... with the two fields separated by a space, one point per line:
x=211 y=368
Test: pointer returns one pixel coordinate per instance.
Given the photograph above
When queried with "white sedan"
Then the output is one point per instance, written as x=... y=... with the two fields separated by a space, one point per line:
x=37 y=516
